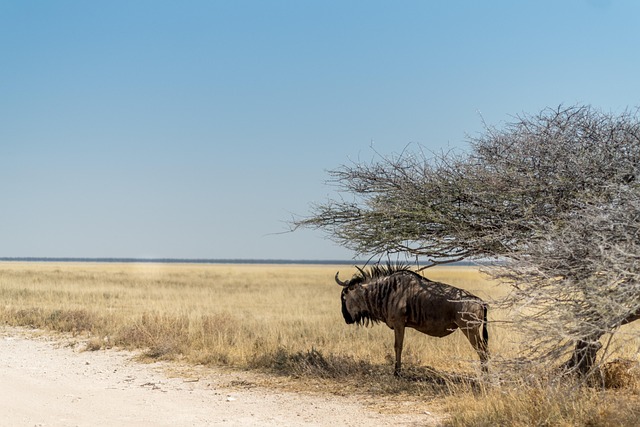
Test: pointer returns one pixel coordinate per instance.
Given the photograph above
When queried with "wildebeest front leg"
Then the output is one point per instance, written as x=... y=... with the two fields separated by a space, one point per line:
x=399 y=334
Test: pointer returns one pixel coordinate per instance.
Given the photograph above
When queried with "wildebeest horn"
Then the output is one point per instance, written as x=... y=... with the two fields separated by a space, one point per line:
x=340 y=282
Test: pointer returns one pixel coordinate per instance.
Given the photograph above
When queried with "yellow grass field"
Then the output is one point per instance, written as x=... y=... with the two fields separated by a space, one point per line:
x=223 y=313
x=282 y=319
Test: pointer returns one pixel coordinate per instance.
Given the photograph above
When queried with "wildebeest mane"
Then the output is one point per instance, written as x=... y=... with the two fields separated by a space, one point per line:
x=377 y=271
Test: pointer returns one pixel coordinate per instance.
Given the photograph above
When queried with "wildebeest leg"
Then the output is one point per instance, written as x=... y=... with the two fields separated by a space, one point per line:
x=474 y=335
x=399 y=334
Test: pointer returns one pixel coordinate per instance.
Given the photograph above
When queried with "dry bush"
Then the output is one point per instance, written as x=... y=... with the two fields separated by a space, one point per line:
x=75 y=321
x=556 y=403
x=163 y=336
x=620 y=373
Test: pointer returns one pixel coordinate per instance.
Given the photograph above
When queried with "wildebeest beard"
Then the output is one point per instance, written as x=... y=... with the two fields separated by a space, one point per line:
x=362 y=318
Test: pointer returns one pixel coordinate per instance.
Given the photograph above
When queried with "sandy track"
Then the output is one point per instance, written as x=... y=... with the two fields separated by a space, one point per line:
x=43 y=383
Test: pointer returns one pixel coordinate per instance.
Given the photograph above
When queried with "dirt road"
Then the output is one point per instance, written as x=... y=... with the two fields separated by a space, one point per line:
x=44 y=383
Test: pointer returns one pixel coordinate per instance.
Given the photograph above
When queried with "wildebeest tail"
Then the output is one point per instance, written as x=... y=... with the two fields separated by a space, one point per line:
x=485 y=332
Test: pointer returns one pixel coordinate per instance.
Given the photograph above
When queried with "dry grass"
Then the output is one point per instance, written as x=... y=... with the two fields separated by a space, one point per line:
x=286 y=320
x=228 y=314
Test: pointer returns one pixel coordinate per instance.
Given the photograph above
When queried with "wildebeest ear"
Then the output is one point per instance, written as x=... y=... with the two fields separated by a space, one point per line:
x=340 y=282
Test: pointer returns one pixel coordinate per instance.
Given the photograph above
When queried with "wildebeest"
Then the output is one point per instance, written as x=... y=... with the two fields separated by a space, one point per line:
x=401 y=298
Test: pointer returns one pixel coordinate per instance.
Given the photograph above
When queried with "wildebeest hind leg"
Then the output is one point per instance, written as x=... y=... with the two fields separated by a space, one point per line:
x=474 y=335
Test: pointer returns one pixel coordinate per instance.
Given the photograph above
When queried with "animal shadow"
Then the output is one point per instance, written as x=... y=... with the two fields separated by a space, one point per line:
x=450 y=381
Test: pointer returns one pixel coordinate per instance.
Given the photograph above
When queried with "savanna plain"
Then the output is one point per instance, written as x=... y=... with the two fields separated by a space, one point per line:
x=284 y=322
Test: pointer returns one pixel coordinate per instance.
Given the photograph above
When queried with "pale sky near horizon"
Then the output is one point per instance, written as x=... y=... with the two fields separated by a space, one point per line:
x=195 y=129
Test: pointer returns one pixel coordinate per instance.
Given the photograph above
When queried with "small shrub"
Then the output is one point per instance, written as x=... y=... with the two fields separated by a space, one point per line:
x=94 y=344
x=61 y=320
x=75 y=321
x=30 y=317
x=163 y=336
x=621 y=373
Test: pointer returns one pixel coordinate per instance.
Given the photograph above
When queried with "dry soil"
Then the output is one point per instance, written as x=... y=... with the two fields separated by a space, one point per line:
x=46 y=381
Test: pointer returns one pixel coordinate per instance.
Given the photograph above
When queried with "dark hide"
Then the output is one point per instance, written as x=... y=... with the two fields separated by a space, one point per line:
x=402 y=298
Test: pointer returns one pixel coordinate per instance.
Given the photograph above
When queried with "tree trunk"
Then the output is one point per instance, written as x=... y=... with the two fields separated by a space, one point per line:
x=583 y=358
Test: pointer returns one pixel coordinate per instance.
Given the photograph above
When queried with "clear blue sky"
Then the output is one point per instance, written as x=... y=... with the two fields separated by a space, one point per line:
x=194 y=129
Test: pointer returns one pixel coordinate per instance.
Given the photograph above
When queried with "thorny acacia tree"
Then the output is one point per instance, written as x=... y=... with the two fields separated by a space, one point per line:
x=555 y=194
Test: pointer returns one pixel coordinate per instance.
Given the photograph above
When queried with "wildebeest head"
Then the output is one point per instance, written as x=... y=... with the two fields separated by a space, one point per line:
x=354 y=307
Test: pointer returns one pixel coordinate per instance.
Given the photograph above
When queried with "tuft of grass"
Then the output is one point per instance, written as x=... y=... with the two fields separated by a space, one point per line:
x=563 y=403
x=620 y=373
x=75 y=321
x=95 y=344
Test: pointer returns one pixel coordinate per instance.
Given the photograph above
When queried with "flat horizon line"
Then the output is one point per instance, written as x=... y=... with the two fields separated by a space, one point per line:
x=133 y=260
x=181 y=260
